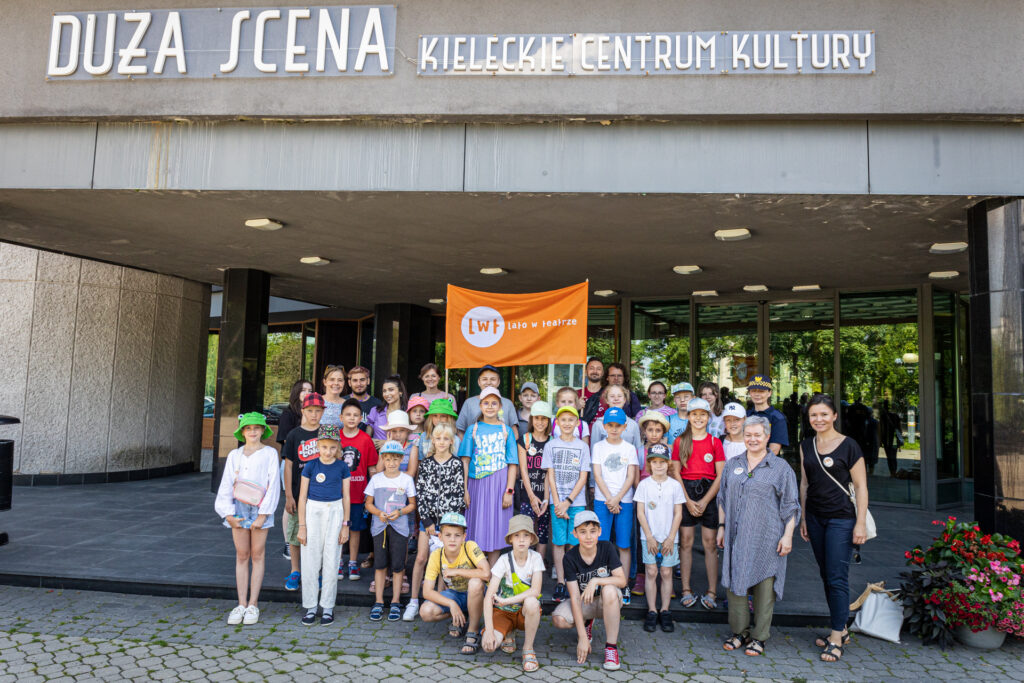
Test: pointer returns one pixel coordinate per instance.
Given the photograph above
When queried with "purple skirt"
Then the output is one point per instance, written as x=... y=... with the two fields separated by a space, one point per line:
x=487 y=520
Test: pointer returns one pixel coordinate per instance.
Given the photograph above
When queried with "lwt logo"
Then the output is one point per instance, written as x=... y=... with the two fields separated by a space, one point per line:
x=483 y=327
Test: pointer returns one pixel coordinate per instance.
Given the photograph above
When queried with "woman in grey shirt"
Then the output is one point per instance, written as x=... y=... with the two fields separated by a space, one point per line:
x=758 y=510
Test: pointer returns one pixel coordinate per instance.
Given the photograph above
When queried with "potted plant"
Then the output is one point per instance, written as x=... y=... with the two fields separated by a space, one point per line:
x=965 y=585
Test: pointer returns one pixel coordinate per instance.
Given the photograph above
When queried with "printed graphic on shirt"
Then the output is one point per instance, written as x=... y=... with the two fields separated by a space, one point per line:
x=391 y=499
x=615 y=462
x=490 y=454
x=308 y=450
x=583 y=578
x=351 y=456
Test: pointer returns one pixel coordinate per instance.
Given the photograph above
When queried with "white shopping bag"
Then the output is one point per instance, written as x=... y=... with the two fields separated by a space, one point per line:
x=881 y=616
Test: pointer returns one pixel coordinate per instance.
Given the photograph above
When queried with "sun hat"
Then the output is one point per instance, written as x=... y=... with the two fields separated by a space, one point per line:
x=658 y=450
x=568 y=409
x=417 y=402
x=584 y=516
x=393 y=447
x=313 y=400
x=541 y=409
x=615 y=416
x=521 y=523
x=532 y=386
x=253 y=418
x=655 y=416
x=698 y=404
x=734 y=410
x=489 y=391
x=760 y=382
x=452 y=519
x=397 y=419
x=329 y=432
x=682 y=386
x=441 y=406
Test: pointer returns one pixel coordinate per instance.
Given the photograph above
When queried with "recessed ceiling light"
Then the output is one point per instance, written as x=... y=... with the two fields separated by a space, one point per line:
x=732 y=234
x=436 y=301
x=493 y=271
x=806 y=288
x=686 y=270
x=265 y=224
x=605 y=292
x=314 y=261
x=755 y=288
x=944 y=274
x=652 y=310
x=706 y=292
x=948 y=248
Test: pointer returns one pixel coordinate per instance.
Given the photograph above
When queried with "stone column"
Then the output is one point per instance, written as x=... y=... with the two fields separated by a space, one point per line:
x=403 y=343
x=241 y=357
x=995 y=236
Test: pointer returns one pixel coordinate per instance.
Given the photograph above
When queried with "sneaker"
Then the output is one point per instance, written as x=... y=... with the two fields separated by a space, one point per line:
x=589 y=625
x=666 y=622
x=327 y=618
x=309 y=618
x=293 y=581
x=353 y=571
x=395 y=613
x=411 y=610
x=625 y=596
x=286 y=552
x=678 y=573
x=611 y=658
x=638 y=585
x=252 y=615
x=236 y=615
x=560 y=593
x=377 y=612
x=651 y=621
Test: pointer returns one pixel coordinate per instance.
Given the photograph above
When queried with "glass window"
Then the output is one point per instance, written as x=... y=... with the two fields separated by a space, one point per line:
x=879 y=356
x=727 y=346
x=660 y=344
x=285 y=346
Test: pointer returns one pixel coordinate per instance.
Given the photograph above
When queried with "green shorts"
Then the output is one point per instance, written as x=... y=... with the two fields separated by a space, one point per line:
x=291 y=529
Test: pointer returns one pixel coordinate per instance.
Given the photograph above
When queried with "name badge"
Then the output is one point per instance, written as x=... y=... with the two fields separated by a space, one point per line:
x=708 y=457
x=829 y=462
x=533 y=450
x=321 y=477
x=738 y=470
x=652 y=504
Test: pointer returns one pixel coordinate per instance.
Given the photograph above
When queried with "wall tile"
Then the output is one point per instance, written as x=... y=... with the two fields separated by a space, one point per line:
x=104 y=274
x=189 y=379
x=47 y=393
x=162 y=379
x=196 y=291
x=18 y=263
x=95 y=340
x=139 y=280
x=130 y=395
x=171 y=286
x=58 y=268
x=16 y=300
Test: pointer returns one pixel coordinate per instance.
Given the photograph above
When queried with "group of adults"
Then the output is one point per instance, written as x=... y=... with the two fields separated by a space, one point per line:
x=760 y=501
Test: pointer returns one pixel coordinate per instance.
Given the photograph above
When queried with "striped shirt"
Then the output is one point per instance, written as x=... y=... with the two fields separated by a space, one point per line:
x=757 y=506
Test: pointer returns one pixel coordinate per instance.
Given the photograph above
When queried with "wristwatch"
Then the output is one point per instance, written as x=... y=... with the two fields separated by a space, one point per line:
x=510 y=491
x=346 y=522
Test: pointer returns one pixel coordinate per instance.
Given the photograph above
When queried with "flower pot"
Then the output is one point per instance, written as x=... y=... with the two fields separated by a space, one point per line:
x=989 y=639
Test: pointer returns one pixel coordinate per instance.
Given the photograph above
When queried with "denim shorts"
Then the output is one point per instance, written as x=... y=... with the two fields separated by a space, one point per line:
x=249 y=513
x=462 y=599
x=670 y=560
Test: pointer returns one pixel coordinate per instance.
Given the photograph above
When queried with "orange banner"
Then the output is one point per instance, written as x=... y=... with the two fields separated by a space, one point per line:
x=516 y=329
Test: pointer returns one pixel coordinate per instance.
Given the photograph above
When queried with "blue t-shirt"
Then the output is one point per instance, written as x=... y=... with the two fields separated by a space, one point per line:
x=325 y=481
x=676 y=426
x=490 y=449
x=780 y=432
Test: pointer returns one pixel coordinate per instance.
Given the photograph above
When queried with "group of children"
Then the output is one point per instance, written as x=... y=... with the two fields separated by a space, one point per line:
x=485 y=507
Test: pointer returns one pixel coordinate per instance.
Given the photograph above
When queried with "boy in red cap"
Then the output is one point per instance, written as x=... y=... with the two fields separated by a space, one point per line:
x=299 y=448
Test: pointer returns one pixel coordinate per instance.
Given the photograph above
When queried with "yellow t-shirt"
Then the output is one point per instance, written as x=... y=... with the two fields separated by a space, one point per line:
x=469 y=557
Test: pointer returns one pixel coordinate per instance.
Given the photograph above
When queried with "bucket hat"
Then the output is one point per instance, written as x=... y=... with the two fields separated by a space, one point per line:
x=654 y=416
x=417 y=402
x=521 y=523
x=441 y=406
x=253 y=418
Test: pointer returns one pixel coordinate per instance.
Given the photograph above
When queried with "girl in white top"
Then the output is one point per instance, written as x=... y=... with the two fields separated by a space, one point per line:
x=246 y=500
x=710 y=393
x=733 y=416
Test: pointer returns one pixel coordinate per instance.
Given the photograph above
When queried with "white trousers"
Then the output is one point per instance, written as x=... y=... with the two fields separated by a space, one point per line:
x=321 y=555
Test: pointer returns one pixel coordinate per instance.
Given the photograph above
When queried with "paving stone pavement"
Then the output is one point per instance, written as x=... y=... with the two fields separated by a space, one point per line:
x=48 y=635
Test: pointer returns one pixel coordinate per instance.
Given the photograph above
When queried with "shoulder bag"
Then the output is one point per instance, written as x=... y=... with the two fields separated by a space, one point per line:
x=869 y=520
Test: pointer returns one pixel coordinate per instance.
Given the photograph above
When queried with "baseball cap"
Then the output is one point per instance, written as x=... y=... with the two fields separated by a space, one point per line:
x=491 y=368
x=329 y=432
x=532 y=386
x=681 y=386
x=541 y=409
x=567 y=409
x=391 y=447
x=490 y=391
x=313 y=400
x=698 y=404
x=584 y=516
x=452 y=519
x=760 y=382
x=614 y=416
x=734 y=410
x=658 y=450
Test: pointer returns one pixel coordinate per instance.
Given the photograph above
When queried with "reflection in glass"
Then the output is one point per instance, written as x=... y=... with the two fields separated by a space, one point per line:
x=879 y=359
x=660 y=344
x=950 y=392
x=285 y=347
x=727 y=347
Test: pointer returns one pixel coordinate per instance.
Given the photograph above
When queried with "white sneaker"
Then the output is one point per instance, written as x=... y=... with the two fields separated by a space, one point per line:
x=252 y=615
x=236 y=615
x=410 y=611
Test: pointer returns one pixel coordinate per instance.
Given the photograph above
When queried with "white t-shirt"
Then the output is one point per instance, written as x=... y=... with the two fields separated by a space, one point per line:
x=659 y=501
x=534 y=563
x=733 y=448
x=582 y=430
x=614 y=461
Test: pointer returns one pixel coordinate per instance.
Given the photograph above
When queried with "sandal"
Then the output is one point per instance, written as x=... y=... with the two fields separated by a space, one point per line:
x=456 y=631
x=755 y=648
x=735 y=642
x=823 y=641
x=709 y=600
x=508 y=646
x=688 y=599
x=472 y=645
x=530 y=661
x=405 y=585
x=368 y=562
x=831 y=650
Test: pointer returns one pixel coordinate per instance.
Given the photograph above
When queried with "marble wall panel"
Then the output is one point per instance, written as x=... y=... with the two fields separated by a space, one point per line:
x=129 y=403
x=162 y=378
x=18 y=263
x=16 y=300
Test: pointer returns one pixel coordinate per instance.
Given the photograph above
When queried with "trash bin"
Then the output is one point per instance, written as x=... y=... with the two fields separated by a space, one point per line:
x=6 y=470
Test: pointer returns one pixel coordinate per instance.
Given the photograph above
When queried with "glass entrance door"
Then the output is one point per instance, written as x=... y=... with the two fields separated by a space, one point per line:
x=727 y=347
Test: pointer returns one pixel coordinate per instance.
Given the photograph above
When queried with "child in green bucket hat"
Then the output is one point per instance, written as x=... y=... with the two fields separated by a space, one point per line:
x=246 y=500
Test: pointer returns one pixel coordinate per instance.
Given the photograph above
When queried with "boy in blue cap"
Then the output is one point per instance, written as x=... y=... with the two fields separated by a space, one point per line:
x=682 y=392
x=390 y=498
